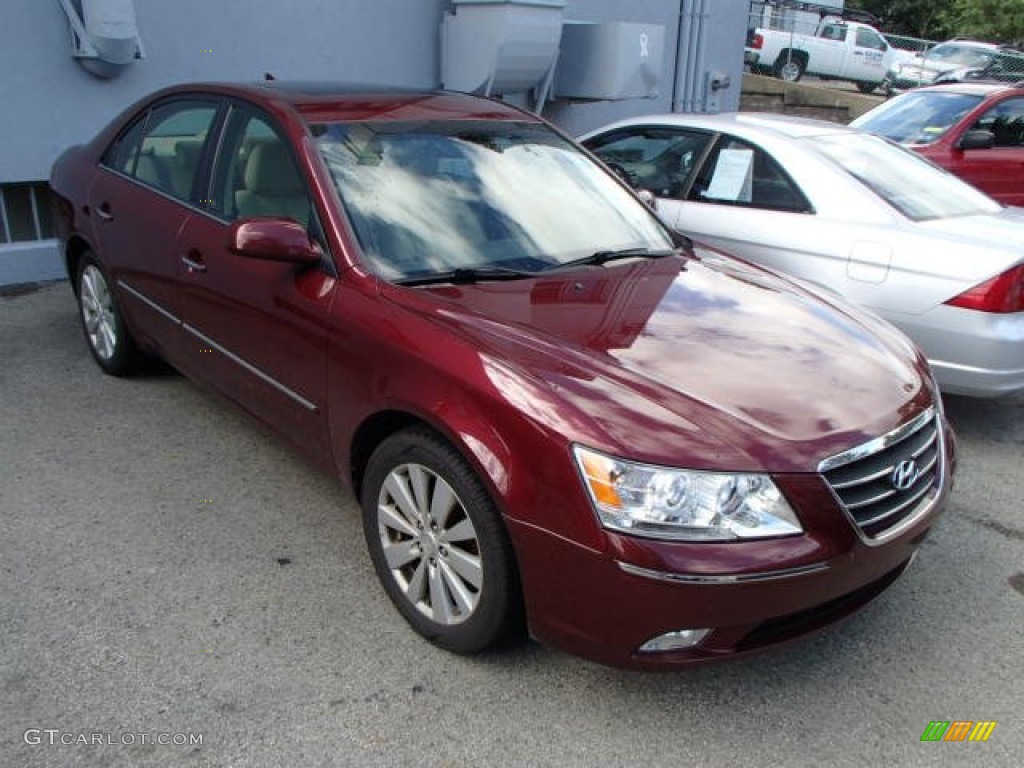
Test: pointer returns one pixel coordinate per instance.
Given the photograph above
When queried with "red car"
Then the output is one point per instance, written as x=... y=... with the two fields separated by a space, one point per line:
x=975 y=130
x=556 y=414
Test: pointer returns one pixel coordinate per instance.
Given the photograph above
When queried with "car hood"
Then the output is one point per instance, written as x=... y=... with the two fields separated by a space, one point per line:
x=710 y=361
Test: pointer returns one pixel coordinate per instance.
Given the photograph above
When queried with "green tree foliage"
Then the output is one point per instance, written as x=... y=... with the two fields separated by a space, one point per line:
x=928 y=19
x=995 y=20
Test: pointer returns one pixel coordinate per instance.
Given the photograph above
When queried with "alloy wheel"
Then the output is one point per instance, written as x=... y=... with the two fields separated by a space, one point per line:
x=430 y=544
x=98 y=313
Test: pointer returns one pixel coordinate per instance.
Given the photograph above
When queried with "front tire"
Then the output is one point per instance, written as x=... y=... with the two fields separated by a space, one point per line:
x=439 y=545
x=109 y=340
x=864 y=87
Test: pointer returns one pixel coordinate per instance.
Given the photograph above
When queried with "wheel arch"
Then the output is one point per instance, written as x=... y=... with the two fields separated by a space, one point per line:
x=76 y=247
x=792 y=53
x=478 y=445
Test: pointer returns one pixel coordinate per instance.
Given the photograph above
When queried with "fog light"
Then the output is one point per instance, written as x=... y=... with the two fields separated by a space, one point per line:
x=679 y=640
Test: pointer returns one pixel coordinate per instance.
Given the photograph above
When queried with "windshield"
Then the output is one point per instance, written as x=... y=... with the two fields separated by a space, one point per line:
x=910 y=184
x=433 y=197
x=964 y=56
x=920 y=117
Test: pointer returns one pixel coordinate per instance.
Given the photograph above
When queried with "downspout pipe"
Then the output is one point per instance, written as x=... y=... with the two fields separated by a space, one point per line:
x=689 y=89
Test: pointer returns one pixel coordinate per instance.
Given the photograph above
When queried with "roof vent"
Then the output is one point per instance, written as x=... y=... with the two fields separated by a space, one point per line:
x=104 y=35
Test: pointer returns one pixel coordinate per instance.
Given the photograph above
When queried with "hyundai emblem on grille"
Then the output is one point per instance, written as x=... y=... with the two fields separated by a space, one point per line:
x=905 y=475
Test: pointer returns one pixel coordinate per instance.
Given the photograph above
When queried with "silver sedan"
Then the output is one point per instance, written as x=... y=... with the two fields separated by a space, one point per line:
x=851 y=213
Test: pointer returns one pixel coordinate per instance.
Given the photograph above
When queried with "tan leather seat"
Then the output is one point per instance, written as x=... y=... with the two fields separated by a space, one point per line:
x=273 y=186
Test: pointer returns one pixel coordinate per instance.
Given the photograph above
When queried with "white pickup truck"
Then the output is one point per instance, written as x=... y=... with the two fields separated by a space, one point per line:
x=838 y=50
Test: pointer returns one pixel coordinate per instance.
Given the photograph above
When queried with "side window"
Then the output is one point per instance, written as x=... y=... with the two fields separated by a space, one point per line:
x=739 y=173
x=834 y=32
x=169 y=148
x=866 y=38
x=661 y=160
x=257 y=174
x=122 y=154
x=1006 y=122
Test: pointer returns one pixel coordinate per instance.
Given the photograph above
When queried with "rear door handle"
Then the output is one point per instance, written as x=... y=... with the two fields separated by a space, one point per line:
x=193 y=261
x=104 y=212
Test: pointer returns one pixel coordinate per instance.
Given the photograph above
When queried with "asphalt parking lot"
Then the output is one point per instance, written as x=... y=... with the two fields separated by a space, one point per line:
x=171 y=570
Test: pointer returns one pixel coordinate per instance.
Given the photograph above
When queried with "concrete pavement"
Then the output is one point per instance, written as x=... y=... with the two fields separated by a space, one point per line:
x=170 y=569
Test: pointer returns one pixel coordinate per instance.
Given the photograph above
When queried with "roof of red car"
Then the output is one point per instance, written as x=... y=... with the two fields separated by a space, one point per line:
x=328 y=101
x=974 y=89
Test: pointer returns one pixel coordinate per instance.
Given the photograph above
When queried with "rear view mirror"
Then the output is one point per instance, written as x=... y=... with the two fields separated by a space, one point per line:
x=273 y=239
x=976 y=140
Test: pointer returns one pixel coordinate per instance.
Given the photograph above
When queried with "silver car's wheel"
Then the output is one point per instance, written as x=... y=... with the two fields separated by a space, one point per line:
x=110 y=343
x=430 y=544
x=438 y=543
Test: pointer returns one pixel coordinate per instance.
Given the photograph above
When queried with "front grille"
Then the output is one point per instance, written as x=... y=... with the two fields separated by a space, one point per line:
x=884 y=482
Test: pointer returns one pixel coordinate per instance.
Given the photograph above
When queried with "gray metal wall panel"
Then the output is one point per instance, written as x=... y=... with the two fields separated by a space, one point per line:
x=725 y=34
x=49 y=102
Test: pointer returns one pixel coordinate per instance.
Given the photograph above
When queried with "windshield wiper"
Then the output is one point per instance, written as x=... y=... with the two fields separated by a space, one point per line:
x=465 y=276
x=603 y=257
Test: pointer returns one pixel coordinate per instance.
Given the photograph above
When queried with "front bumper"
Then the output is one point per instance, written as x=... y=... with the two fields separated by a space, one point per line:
x=605 y=605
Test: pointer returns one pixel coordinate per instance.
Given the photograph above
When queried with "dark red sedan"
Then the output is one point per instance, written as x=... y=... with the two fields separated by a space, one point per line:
x=975 y=130
x=556 y=414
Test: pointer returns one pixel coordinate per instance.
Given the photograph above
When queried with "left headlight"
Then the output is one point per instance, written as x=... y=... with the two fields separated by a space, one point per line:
x=683 y=505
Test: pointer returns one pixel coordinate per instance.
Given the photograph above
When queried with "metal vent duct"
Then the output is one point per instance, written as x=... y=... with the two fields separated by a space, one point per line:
x=104 y=34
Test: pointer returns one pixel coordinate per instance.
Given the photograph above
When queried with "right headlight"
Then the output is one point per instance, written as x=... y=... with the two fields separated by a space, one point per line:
x=684 y=505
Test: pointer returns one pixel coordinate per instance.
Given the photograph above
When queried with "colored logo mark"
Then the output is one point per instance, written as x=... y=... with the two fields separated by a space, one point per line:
x=958 y=730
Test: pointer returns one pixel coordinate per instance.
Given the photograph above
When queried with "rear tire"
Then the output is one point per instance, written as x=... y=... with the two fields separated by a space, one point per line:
x=789 y=69
x=439 y=545
x=109 y=340
x=864 y=87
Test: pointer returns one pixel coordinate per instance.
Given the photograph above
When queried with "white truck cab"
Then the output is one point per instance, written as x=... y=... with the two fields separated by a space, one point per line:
x=838 y=50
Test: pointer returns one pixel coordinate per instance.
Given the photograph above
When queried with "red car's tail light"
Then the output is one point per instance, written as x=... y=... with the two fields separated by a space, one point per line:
x=1003 y=293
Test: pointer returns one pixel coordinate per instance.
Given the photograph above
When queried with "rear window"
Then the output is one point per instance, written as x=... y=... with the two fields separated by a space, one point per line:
x=904 y=180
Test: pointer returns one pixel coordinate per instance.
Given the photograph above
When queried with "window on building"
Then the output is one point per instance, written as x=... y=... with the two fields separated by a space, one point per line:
x=25 y=212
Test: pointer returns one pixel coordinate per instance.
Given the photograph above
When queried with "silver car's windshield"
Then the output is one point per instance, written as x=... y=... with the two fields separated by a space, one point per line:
x=918 y=117
x=435 y=197
x=910 y=184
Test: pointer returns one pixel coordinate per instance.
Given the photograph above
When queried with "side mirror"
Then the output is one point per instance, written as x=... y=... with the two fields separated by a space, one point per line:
x=977 y=140
x=273 y=239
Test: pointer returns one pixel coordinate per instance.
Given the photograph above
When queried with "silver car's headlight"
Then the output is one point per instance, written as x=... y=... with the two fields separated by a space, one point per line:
x=684 y=505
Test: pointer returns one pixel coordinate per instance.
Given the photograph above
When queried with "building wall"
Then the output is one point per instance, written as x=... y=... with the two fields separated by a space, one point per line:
x=50 y=102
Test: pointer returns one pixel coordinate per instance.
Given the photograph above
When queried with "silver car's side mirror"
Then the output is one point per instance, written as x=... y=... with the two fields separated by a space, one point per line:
x=648 y=197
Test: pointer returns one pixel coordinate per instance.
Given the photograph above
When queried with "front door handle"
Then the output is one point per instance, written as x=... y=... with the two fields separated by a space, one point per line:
x=104 y=212
x=193 y=261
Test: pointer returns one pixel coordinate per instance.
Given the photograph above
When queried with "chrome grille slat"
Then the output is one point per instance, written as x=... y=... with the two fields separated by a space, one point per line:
x=926 y=446
x=896 y=510
x=863 y=478
x=851 y=505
